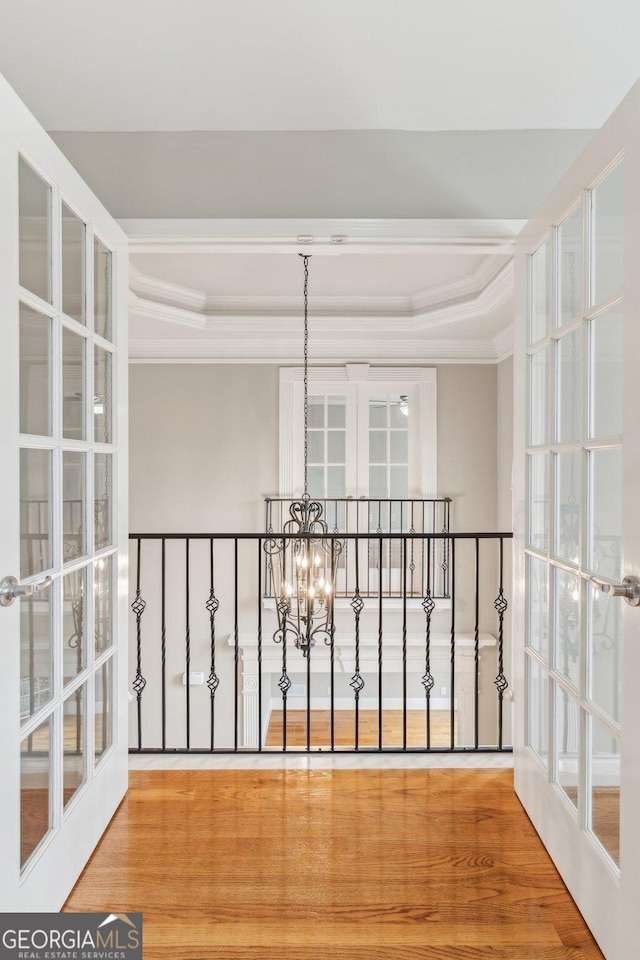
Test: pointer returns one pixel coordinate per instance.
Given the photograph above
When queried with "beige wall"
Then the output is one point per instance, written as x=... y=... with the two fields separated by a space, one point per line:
x=204 y=445
x=467 y=444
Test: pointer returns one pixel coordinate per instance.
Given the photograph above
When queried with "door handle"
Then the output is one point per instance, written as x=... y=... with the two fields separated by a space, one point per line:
x=629 y=589
x=11 y=590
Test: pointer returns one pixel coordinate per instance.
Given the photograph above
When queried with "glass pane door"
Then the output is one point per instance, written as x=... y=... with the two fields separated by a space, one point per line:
x=65 y=501
x=63 y=594
x=574 y=507
x=576 y=616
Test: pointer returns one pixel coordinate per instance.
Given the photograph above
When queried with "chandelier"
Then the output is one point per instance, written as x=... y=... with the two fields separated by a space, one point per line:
x=303 y=561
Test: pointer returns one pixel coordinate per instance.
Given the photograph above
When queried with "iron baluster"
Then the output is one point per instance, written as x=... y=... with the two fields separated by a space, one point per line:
x=212 y=605
x=331 y=641
x=403 y=547
x=357 y=683
x=501 y=605
x=380 y=644
x=163 y=639
x=452 y=709
x=428 y=681
x=260 y=554
x=476 y=647
x=187 y=646
x=139 y=682
x=236 y=644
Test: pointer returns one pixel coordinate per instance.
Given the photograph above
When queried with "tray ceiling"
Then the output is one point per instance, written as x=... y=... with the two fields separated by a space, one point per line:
x=225 y=300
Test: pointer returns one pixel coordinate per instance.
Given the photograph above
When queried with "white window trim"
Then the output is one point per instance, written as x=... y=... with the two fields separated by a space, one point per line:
x=292 y=421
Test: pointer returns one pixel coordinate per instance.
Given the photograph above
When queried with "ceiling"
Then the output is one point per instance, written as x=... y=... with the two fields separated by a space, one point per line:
x=274 y=275
x=243 y=68
x=254 y=65
x=233 y=302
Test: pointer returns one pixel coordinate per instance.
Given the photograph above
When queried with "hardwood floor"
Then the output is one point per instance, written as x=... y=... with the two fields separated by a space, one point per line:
x=344 y=728
x=333 y=865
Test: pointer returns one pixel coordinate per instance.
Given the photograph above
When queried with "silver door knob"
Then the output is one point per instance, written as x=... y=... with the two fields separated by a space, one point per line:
x=11 y=590
x=629 y=589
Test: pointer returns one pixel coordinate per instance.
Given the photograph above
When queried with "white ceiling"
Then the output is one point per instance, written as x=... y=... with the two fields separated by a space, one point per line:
x=320 y=64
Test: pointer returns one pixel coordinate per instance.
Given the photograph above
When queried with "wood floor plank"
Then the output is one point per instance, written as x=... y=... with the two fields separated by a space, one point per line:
x=311 y=951
x=330 y=865
x=393 y=733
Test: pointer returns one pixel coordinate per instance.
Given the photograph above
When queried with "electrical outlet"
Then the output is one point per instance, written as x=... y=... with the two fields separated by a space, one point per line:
x=196 y=678
x=443 y=691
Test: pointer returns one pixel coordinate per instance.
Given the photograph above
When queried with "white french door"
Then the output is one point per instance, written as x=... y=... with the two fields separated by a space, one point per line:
x=63 y=516
x=577 y=528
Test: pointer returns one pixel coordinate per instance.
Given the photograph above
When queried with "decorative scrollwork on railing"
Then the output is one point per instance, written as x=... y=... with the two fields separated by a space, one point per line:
x=501 y=683
x=138 y=606
x=212 y=605
x=357 y=682
x=357 y=604
x=139 y=682
x=501 y=605
x=427 y=680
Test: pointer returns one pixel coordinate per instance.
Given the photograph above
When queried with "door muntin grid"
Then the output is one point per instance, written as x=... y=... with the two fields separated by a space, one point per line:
x=574 y=492
x=66 y=527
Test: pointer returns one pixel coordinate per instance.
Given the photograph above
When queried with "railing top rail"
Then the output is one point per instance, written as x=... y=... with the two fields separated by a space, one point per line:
x=482 y=535
x=363 y=499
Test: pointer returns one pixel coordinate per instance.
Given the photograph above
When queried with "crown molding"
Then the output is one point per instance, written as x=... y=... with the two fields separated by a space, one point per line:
x=495 y=294
x=154 y=310
x=154 y=298
x=459 y=289
x=162 y=291
x=331 y=237
x=276 y=350
x=503 y=343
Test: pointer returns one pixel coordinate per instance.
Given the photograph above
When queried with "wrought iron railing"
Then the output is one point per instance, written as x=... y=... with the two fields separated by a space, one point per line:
x=371 y=517
x=207 y=672
x=36 y=521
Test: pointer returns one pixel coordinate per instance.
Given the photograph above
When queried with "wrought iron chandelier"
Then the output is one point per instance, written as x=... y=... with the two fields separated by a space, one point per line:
x=304 y=561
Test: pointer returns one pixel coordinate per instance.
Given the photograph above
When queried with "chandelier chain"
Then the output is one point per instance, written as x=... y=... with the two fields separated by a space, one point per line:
x=305 y=258
x=298 y=561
